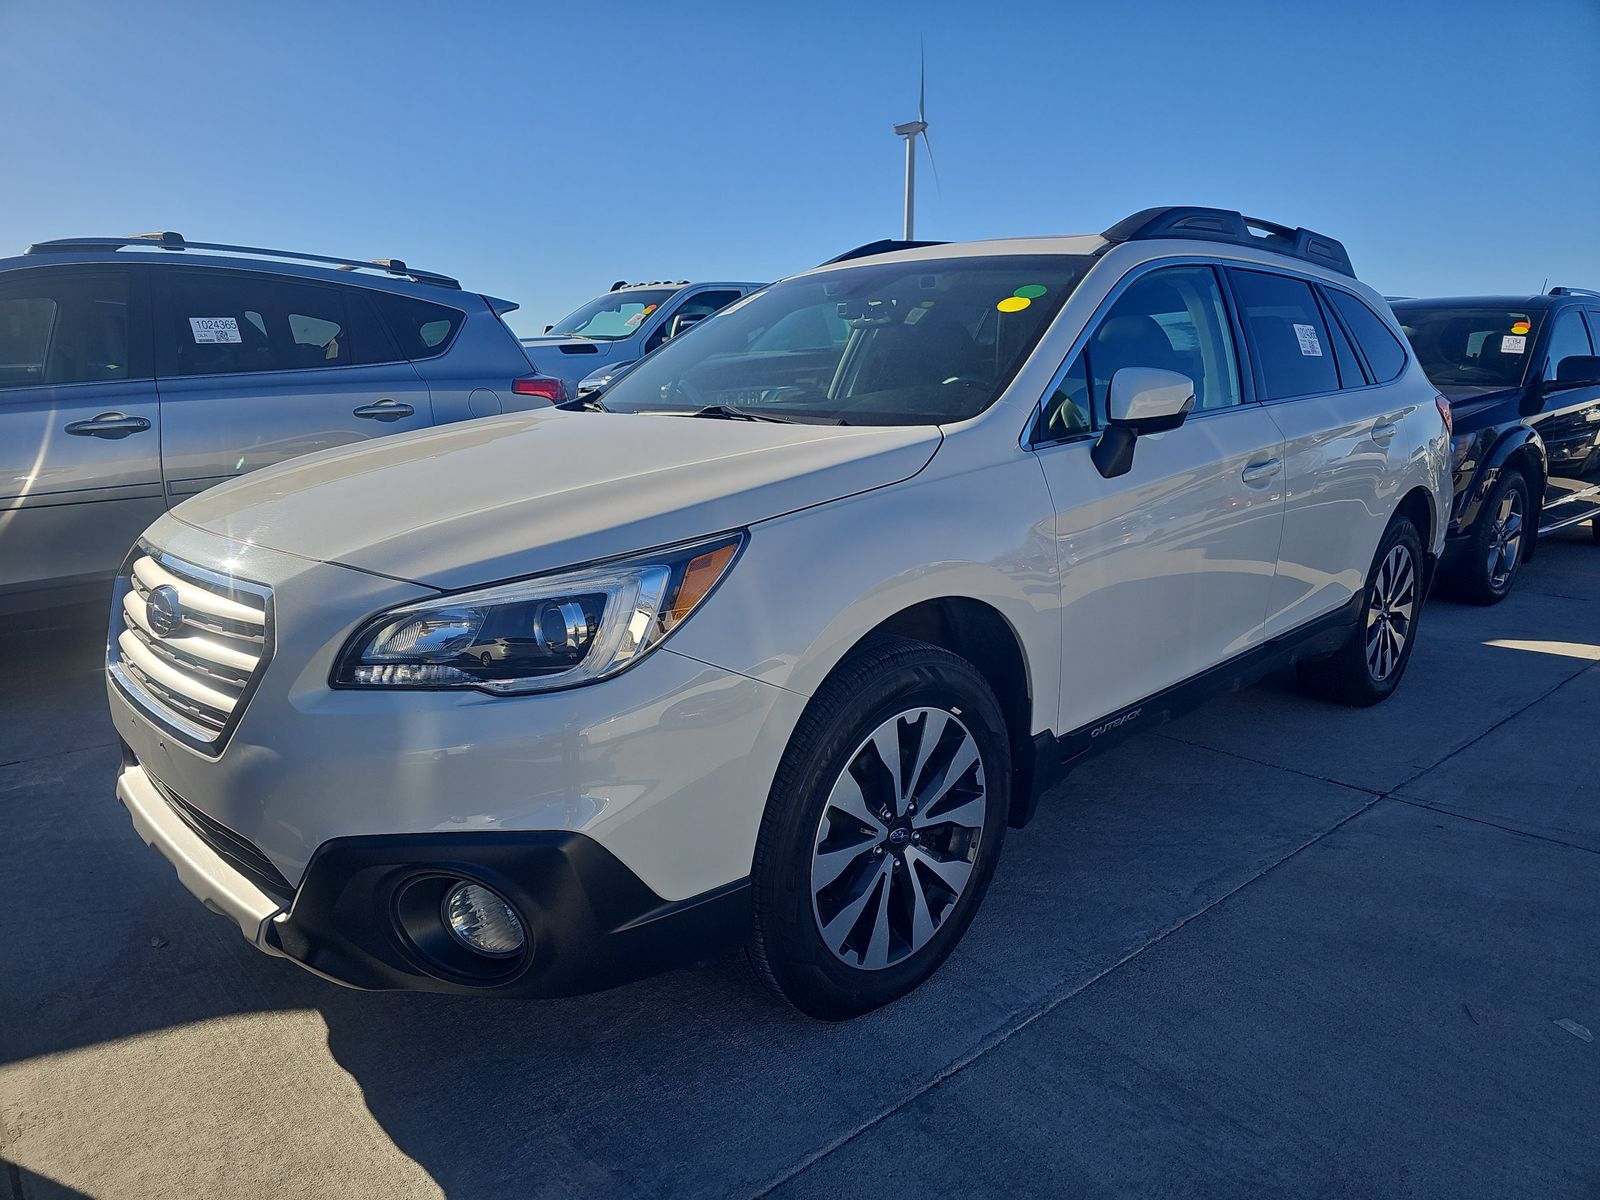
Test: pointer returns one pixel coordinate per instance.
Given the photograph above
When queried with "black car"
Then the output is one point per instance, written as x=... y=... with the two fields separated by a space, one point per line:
x=1522 y=374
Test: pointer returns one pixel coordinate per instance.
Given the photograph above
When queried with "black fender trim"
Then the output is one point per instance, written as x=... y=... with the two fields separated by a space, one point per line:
x=1055 y=756
x=592 y=922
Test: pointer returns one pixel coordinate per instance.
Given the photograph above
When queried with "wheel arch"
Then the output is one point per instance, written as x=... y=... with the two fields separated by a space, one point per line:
x=979 y=633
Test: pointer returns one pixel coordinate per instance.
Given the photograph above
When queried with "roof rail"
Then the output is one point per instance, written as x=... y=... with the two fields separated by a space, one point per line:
x=1572 y=291
x=882 y=246
x=1226 y=225
x=175 y=241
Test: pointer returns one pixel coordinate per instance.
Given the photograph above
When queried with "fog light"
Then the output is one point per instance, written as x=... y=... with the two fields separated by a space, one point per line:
x=482 y=922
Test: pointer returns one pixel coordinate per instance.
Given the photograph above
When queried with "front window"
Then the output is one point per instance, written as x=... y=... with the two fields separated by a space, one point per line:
x=613 y=316
x=900 y=343
x=1470 y=346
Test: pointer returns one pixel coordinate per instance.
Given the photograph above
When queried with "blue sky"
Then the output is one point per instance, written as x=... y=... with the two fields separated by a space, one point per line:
x=540 y=152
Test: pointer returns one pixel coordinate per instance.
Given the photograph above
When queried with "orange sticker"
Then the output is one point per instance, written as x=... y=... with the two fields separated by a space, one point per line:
x=1520 y=327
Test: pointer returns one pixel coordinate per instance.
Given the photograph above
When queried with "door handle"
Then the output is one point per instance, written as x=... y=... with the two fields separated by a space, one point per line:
x=1256 y=473
x=385 y=410
x=1384 y=432
x=108 y=425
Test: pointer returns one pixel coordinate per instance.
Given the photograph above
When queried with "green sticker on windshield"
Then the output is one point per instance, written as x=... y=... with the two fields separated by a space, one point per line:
x=1031 y=291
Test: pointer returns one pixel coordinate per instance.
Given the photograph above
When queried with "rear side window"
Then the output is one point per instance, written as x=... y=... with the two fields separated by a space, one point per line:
x=237 y=322
x=421 y=329
x=58 y=327
x=1383 y=351
x=1287 y=332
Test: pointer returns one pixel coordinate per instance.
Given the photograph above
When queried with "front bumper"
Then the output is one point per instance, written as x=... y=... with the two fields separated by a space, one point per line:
x=591 y=922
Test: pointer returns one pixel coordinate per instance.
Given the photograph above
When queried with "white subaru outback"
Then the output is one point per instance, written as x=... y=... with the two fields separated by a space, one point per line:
x=776 y=646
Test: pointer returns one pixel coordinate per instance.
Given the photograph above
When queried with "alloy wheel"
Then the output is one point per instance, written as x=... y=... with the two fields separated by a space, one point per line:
x=1391 y=607
x=898 y=838
x=1505 y=540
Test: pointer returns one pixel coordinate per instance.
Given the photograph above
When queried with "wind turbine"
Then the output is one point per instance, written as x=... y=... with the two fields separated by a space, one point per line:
x=911 y=130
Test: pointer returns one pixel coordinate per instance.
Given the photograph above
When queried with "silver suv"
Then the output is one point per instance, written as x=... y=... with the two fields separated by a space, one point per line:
x=625 y=324
x=132 y=376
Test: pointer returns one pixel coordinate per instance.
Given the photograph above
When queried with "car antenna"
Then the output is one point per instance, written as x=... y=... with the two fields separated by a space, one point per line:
x=1544 y=285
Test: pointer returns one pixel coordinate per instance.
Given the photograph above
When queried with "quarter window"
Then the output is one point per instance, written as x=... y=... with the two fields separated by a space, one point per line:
x=64 y=328
x=421 y=329
x=1383 y=351
x=1287 y=333
x=1567 y=339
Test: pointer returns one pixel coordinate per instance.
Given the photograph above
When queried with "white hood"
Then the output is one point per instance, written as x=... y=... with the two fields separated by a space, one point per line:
x=524 y=493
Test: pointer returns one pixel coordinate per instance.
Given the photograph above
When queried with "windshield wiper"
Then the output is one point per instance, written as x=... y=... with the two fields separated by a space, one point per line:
x=589 y=403
x=734 y=412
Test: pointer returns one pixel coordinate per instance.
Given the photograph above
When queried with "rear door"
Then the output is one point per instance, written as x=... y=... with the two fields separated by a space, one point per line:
x=1569 y=422
x=256 y=368
x=1338 y=425
x=80 y=440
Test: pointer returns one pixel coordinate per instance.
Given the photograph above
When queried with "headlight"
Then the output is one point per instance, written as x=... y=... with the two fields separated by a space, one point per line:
x=555 y=631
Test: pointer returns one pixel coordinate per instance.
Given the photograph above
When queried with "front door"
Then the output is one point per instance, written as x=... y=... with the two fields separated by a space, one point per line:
x=1165 y=571
x=80 y=427
x=1568 y=419
x=256 y=368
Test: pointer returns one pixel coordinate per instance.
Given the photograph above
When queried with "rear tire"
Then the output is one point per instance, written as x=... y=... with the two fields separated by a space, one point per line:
x=1499 y=543
x=1368 y=667
x=862 y=885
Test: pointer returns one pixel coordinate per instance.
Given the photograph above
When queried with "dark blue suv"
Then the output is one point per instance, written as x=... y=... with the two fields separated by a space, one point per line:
x=1522 y=374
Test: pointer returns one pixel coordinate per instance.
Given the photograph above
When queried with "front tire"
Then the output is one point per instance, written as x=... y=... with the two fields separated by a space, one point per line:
x=881 y=832
x=1368 y=667
x=1499 y=541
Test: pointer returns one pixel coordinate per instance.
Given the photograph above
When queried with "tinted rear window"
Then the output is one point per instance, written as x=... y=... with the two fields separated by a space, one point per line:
x=1286 y=330
x=422 y=329
x=1385 y=355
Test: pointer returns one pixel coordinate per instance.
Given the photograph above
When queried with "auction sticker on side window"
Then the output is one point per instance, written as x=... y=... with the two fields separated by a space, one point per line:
x=214 y=329
x=1514 y=343
x=1309 y=345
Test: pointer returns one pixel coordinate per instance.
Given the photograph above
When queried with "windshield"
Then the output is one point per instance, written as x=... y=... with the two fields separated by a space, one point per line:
x=1470 y=346
x=903 y=343
x=614 y=315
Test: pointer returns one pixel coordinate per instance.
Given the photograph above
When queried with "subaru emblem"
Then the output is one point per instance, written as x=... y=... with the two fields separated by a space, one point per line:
x=163 y=611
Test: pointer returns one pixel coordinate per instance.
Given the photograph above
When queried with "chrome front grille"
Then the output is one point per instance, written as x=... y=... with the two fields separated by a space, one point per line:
x=188 y=644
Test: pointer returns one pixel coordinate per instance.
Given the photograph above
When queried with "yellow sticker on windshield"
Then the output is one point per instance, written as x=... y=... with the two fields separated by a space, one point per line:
x=1013 y=304
x=1520 y=327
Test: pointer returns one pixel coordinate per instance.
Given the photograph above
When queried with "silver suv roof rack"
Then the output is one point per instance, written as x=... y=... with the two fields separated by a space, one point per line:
x=175 y=241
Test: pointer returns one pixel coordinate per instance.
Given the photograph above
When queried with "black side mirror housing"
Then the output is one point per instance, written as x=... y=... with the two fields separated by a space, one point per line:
x=1576 y=370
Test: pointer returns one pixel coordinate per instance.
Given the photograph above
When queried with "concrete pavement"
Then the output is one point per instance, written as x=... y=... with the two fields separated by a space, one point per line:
x=1275 y=948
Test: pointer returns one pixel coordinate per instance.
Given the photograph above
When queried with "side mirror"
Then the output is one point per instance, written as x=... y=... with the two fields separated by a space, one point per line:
x=548 y=328
x=1143 y=400
x=1576 y=370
